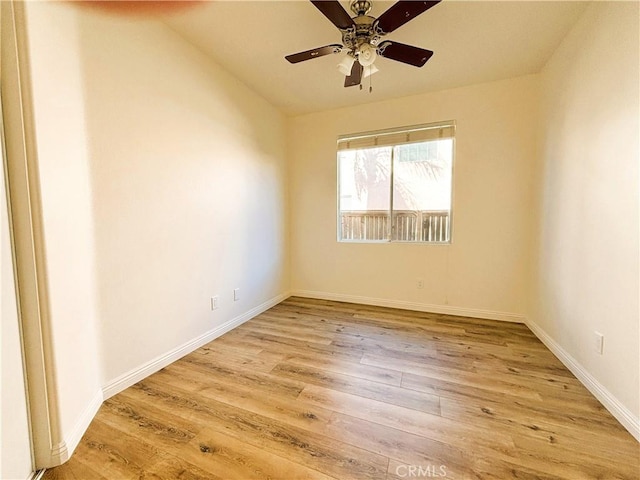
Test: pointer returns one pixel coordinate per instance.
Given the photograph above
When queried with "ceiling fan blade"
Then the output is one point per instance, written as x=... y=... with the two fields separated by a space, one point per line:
x=314 y=53
x=404 y=53
x=355 y=76
x=334 y=12
x=400 y=13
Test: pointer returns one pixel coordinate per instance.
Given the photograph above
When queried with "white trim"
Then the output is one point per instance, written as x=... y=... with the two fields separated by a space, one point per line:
x=133 y=376
x=28 y=245
x=420 y=307
x=610 y=402
x=61 y=452
x=37 y=475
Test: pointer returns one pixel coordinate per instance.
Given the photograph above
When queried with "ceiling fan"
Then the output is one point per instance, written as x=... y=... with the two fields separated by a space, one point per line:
x=362 y=34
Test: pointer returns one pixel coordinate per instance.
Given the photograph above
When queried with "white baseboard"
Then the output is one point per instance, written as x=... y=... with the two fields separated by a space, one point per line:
x=134 y=376
x=611 y=403
x=61 y=452
x=420 y=307
x=37 y=475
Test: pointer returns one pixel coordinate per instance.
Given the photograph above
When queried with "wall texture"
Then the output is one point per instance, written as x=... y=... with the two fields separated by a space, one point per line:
x=67 y=215
x=485 y=270
x=188 y=175
x=586 y=276
x=163 y=183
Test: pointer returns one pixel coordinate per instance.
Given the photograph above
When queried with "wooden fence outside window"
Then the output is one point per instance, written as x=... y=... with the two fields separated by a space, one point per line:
x=406 y=226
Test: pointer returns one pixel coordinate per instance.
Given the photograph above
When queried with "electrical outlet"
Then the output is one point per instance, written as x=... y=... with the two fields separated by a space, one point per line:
x=214 y=302
x=236 y=294
x=599 y=342
x=420 y=283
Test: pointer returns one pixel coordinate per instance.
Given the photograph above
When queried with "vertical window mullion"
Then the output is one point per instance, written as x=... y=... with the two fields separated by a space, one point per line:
x=392 y=230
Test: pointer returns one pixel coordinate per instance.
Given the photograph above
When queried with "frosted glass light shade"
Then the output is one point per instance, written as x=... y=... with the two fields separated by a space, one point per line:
x=345 y=65
x=367 y=54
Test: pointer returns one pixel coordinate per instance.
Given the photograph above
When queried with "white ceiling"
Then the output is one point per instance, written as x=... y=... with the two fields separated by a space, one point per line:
x=473 y=41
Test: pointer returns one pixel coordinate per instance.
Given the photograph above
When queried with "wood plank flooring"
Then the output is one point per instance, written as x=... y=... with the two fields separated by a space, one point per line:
x=323 y=390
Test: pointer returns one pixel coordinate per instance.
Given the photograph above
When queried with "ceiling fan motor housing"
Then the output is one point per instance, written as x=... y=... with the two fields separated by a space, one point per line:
x=363 y=31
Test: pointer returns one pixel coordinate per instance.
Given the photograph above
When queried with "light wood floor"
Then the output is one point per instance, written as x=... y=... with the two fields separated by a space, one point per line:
x=317 y=390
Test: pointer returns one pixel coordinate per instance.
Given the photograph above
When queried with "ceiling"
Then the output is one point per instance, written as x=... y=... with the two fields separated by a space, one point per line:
x=473 y=41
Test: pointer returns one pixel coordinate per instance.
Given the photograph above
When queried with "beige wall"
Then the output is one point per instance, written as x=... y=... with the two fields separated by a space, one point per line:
x=485 y=269
x=188 y=175
x=67 y=216
x=587 y=276
x=163 y=183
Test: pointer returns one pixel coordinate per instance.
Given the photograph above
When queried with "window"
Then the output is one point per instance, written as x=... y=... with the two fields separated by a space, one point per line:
x=396 y=185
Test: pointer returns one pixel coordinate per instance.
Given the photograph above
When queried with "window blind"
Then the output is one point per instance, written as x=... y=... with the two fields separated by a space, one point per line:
x=397 y=136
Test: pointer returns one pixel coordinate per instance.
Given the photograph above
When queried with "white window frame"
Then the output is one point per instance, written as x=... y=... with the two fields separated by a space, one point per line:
x=394 y=137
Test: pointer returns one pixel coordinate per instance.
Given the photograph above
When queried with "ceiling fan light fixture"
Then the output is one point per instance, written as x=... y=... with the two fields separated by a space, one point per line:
x=345 y=65
x=367 y=54
x=361 y=37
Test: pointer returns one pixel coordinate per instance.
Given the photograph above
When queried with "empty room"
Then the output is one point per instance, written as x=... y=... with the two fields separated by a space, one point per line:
x=320 y=240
